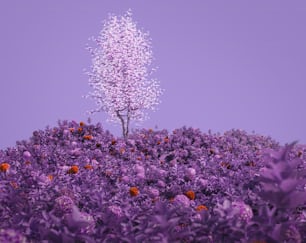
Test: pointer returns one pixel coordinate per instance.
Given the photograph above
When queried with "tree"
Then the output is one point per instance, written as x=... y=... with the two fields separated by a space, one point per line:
x=119 y=73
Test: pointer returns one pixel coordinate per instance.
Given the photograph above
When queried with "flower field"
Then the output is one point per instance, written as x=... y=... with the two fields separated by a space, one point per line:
x=78 y=183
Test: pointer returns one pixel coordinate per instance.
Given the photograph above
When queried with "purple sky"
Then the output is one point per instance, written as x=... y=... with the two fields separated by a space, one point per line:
x=223 y=64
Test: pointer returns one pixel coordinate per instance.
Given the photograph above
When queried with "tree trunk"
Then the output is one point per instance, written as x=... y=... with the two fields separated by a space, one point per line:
x=128 y=122
x=125 y=130
x=122 y=123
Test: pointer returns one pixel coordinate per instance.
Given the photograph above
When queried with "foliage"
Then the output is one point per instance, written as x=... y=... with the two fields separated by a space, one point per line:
x=79 y=183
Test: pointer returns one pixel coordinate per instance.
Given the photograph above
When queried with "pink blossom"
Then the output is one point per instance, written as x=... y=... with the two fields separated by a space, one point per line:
x=119 y=72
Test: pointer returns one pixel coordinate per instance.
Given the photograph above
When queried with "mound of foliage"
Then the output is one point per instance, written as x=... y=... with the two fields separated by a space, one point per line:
x=78 y=183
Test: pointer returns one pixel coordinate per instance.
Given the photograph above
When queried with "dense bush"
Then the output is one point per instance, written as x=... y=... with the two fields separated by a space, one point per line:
x=79 y=183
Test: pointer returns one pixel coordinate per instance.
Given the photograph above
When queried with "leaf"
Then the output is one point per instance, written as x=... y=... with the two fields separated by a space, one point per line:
x=297 y=198
x=289 y=185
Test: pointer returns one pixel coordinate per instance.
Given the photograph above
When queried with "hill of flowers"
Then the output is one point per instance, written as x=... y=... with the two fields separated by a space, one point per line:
x=78 y=183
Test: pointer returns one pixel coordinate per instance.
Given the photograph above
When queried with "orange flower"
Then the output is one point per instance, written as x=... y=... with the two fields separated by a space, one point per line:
x=82 y=124
x=201 y=207
x=250 y=163
x=134 y=191
x=113 y=142
x=226 y=164
x=74 y=169
x=158 y=142
x=190 y=195
x=27 y=162
x=182 y=225
x=155 y=199
x=88 y=167
x=138 y=158
x=14 y=184
x=4 y=167
x=88 y=137
x=80 y=129
x=71 y=129
x=108 y=173
x=122 y=150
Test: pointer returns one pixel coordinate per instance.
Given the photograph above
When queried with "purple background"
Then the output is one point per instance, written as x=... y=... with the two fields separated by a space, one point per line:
x=223 y=64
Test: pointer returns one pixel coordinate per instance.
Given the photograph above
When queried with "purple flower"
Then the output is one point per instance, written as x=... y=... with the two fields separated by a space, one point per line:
x=293 y=235
x=81 y=222
x=11 y=236
x=160 y=183
x=287 y=232
x=243 y=211
x=44 y=180
x=116 y=210
x=140 y=176
x=139 y=169
x=26 y=155
x=181 y=200
x=153 y=192
x=203 y=182
x=63 y=205
x=190 y=173
x=125 y=179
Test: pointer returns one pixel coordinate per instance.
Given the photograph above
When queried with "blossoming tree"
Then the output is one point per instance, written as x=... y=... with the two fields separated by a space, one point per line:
x=119 y=76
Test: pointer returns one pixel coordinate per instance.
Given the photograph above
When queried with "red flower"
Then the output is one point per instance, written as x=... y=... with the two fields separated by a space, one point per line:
x=108 y=173
x=88 y=167
x=250 y=163
x=27 y=162
x=74 y=169
x=4 y=167
x=134 y=191
x=87 y=137
x=190 y=195
x=226 y=164
x=14 y=184
x=201 y=207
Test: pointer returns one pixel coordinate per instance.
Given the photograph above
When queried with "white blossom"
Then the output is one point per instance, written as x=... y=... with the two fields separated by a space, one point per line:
x=120 y=72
